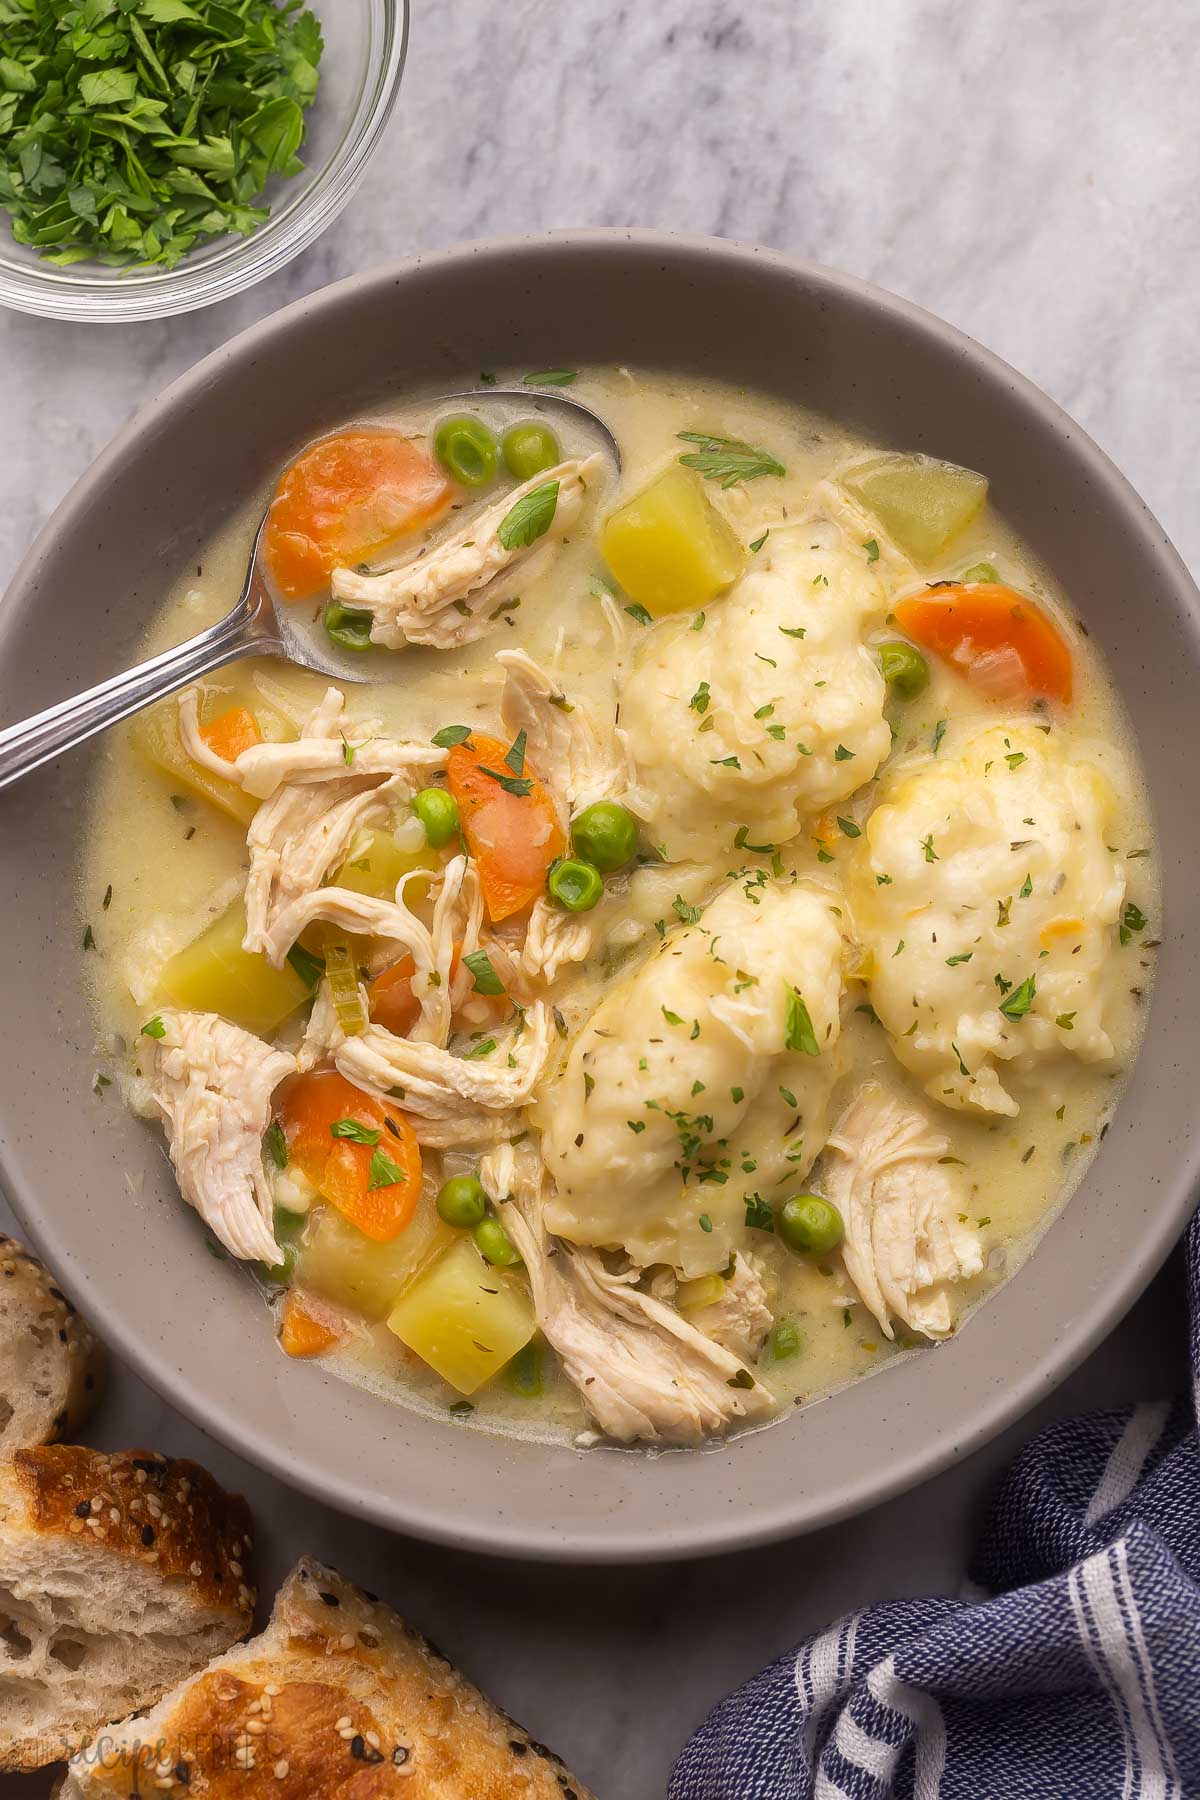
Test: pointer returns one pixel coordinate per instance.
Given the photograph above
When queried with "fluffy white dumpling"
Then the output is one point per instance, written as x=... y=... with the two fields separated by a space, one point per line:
x=681 y=1092
x=985 y=901
x=772 y=710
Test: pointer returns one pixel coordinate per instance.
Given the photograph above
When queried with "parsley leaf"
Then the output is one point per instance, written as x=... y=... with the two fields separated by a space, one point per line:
x=530 y=517
x=515 y=759
x=689 y=914
x=872 y=550
x=154 y=1028
x=520 y=785
x=449 y=735
x=727 y=460
x=550 y=378
x=800 y=1033
x=486 y=979
x=640 y=614
x=274 y=1146
x=383 y=1171
x=1020 y=1000
x=355 y=1132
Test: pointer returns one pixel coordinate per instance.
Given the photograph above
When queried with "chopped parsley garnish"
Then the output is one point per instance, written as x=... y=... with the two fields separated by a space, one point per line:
x=1016 y=759
x=348 y=750
x=727 y=460
x=520 y=785
x=449 y=735
x=515 y=758
x=636 y=1125
x=672 y=1018
x=383 y=1172
x=1133 y=919
x=939 y=732
x=89 y=938
x=639 y=613
x=759 y=1216
x=737 y=1095
x=800 y=1033
x=1018 y=1003
x=931 y=855
x=789 y=1097
x=699 y=700
x=1065 y=1021
x=724 y=762
x=705 y=1222
x=796 y=631
x=357 y=1133
x=307 y=966
x=550 y=378
x=484 y=1048
x=530 y=517
x=841 y=754
x=486 y=980
x=274 y=1146
x=1026 y=887
x=850 y=829
x=698 y=622
x=883 y=881
x=964 y=956
x=872 y=550
x=1002 y=910
x=689 y=914
x=135 y=131
x=154 y=1028
x=107 y=900
x=962 y=1067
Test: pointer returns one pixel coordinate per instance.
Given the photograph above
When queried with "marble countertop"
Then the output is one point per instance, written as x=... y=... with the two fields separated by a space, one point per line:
x=1029 y=175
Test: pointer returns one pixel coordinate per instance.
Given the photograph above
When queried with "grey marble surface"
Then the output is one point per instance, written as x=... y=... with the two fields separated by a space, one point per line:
x=1027 y=172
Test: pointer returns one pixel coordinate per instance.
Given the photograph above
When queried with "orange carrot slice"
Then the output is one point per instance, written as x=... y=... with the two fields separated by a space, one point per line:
x=347 y=498
x=301 y=1332
x=390 y=998
x=376 y=1184
x=998 y=638
x=231 y=732
x=514 y=836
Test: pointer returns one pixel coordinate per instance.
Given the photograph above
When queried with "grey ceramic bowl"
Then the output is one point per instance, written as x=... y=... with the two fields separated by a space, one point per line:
x=91 y=1183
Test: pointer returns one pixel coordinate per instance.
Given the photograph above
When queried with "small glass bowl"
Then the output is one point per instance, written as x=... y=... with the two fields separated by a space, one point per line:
x=365 y=42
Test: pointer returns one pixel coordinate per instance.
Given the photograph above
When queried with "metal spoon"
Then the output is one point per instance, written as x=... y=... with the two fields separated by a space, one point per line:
x=257 y=626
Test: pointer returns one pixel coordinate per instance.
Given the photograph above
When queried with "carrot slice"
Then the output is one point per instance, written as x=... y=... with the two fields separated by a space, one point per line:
x=353 y=1176
x=347 y=498
x=514 y=837
x=301 y=1332
x=998 y=638
x=231 y=732
x=391 y=1000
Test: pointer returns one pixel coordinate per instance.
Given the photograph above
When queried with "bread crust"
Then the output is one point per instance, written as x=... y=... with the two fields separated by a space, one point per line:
x=338 y=1699
x=77 y=1358
x=169 y=1514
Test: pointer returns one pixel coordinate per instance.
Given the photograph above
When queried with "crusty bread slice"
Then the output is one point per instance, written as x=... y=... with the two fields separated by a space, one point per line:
x=336 y=1700
x=119 y=1576
x=51 y=1363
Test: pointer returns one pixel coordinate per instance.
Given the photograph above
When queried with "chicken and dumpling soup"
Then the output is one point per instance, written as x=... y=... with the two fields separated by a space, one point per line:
x=696 y=963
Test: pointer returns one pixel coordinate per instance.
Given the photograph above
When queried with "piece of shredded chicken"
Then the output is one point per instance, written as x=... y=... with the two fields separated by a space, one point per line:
x=901 y=1206
x=212 y=1083
x=454 y=592
x=741 y=1318
x=643 y=1371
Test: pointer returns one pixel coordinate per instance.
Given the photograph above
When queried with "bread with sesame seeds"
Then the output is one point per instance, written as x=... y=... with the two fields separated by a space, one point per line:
x=51 y=1363
x=120 y=1576
x=337 y=1699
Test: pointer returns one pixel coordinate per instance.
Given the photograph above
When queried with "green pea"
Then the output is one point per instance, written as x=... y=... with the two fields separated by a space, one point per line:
x=466 y=450
x=575 y=886
x=979 y=572
x=524 y=1372
x=462 y=1202
x=605 y=834
x=785 y=1339
x=349 y=626
x=903 y=668
x=809 y=1224
x=494 y=1242
x=281 y=1273
x=438 y=813
x=528 y=449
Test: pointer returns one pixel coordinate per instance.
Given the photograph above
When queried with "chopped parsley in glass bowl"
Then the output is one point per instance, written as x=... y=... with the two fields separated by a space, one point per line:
x=168 y=117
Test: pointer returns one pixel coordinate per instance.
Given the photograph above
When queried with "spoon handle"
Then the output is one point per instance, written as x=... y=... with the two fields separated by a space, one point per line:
x=31 y=742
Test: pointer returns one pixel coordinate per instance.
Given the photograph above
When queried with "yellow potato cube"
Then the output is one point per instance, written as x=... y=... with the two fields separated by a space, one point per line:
x=156 y=738
x=214 y=974
x=342 y=1265
x=921 y=503
x=669 y=547
x=464 y=1317
x=376 y=868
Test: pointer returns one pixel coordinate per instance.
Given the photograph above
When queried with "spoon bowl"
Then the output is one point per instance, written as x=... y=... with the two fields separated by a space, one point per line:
x=260 y=624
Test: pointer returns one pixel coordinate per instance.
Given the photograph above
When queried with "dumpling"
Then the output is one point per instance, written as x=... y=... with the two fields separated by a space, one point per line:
x=705 y=1073
x=768 y=713
x=985 y=901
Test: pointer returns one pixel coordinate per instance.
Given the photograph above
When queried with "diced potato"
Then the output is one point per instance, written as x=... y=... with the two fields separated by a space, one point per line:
x=341 y=1264
x=921 y=503
x=376 y=868
x=214 y=974
x=156 y=736
x=669 y=547
x=464 y=1318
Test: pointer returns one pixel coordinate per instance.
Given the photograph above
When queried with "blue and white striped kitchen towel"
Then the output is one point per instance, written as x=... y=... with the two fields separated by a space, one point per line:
x=1077 y=1679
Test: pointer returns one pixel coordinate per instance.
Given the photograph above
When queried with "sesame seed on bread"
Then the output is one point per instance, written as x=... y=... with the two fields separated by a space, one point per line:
x=120 y=1576
x=52 y=1365
x=337 y=1699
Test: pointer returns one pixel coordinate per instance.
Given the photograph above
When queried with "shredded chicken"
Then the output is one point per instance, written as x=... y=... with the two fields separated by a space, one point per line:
x=447 y=1090
x=554 y=938
x=900 y=1205
x=579 y=763
x=643 y=1371
x=741 y=1318
x=213 y=1083
x=453 y=593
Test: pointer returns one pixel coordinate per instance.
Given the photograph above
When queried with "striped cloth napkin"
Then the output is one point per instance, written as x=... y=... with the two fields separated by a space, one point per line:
x=1072 y=1672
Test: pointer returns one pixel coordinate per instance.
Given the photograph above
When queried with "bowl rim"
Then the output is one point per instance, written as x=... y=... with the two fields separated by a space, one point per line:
x=777 y=1516
x=126 y=297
